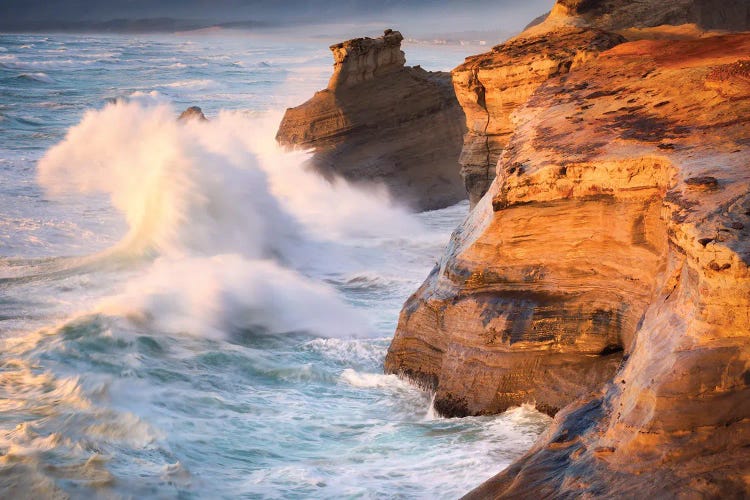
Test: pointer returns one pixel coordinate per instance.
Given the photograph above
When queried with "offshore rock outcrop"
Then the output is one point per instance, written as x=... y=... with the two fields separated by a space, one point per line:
x=608 y=268
x=192 y=113
x=380 y=121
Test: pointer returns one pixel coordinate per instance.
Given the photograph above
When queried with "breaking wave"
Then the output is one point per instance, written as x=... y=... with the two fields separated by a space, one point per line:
x=35 y=77
x=217 y=212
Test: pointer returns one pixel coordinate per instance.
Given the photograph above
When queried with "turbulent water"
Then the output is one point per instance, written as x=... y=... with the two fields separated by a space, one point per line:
x=184 y=310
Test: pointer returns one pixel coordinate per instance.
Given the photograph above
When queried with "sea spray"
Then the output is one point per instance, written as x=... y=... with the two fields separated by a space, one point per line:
x=222 y=294
x=228 y=217
x=328 y=209
x=177 y=197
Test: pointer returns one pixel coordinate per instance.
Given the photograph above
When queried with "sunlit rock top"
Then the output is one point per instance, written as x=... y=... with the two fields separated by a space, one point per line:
x=362 y=59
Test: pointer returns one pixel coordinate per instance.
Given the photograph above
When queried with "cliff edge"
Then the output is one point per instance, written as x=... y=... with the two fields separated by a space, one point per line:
x=606 y=273
x=381 y=121
x=491 y=86
x=613 y=15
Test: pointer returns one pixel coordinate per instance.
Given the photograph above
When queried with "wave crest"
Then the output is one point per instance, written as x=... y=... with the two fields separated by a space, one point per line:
x=229 y=218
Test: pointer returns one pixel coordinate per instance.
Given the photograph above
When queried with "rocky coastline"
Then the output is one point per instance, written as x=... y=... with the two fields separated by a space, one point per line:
x=490 y=87
x=602 y=274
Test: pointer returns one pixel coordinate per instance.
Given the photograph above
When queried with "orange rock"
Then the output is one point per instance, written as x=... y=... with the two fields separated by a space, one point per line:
x=613 y=234
x=382 y=122
x=491 y=86
x=618 y=14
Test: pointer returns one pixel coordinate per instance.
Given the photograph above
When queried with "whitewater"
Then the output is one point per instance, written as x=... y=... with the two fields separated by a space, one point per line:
x=185 y=310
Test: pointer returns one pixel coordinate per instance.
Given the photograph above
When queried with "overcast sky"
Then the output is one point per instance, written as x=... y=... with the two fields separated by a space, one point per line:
x=443 y=15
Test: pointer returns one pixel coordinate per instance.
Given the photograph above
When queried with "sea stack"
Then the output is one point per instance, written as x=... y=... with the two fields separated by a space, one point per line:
x=379 y=121
x=604 y=275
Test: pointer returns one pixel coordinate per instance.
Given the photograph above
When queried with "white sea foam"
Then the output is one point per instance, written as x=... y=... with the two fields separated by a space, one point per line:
x=11 y=61
x=221 y=207
x=373 y=380
x=192 y=84
x=348 y=351
x=432 y=414
x=99 y=56
x=211 y=296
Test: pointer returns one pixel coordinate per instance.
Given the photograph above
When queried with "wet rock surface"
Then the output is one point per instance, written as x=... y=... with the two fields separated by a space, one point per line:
x=192 y=113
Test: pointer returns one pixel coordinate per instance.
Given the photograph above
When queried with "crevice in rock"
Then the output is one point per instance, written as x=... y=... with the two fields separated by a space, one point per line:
x=611 y=349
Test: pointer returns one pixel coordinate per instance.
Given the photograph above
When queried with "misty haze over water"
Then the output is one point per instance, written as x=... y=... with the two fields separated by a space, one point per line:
x=415 y=18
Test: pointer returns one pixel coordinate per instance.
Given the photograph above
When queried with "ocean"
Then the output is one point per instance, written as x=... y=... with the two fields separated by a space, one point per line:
x=185 y=310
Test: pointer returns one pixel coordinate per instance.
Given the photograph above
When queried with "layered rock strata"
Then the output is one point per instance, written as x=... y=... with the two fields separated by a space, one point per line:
x=614 y=174
x=491 y=86
x=732 y=15
x=608 y=268
x=380 y=121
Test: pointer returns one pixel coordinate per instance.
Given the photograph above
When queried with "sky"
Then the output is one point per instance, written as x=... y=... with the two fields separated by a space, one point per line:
x=435 y=15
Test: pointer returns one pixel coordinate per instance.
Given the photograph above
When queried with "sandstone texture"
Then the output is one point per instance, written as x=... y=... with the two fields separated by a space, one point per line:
x=492 y=86
x=380 y=121
x=606 y=273
x=732 y=15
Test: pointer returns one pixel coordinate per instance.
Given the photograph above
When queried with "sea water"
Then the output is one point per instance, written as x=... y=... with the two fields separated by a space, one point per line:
x=185 y=310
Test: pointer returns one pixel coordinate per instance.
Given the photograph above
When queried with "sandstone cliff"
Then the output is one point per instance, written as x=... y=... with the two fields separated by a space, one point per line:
x=381 y=121
x=732 y=15
x=492 y=86
x=608 y=267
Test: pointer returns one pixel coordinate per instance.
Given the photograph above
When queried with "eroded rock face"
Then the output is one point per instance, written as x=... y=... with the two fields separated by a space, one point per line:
x=733 y=15
x=616 y=226
x=618 y=220
x=382 y=122
x=491 y=86
x=362 y=59
x=513 y=70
